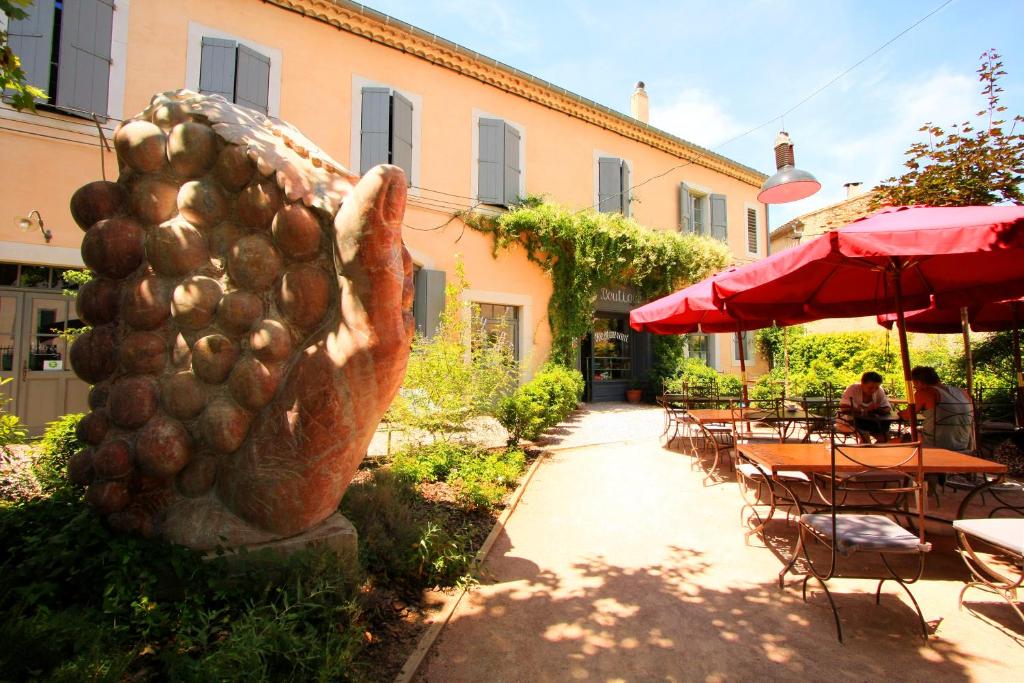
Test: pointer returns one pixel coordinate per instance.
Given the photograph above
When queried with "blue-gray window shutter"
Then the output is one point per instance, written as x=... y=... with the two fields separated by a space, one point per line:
x=83 y=70
x=252 y=79
x=751 y=339
x=491 y=162
x=374 y=128
x=401 y=134
x=719 y=229
x=626 y=185
x=512 y=170
x=428 y=302
x=31 y=39
x=609 y=185
x=685 y=209
x=217 y=68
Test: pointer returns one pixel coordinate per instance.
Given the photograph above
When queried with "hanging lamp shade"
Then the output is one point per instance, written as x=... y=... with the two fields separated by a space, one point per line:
x=789 y=182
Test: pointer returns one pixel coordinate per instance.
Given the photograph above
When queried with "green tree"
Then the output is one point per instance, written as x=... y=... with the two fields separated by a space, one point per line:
x=14 y=84
x=976 y=163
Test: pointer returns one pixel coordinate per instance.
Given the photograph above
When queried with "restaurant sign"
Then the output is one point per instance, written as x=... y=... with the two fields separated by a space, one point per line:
x=617 y=299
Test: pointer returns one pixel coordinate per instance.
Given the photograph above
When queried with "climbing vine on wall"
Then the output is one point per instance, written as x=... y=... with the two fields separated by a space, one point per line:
x=586 y=250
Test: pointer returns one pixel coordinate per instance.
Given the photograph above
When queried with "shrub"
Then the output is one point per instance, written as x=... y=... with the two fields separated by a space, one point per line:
x=690 y=372
x=82 y=603
x=430 y=462
x=541 y=403
x=399 y=545
x=58 y=444
x=460 y=373
x=484 y=480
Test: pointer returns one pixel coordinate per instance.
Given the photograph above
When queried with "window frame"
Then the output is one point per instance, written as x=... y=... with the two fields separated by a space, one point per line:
x=194 y=59
x=116 y=81
x=525 y=305
x=747 y=208
x=474 y=185
x=358 y=83
x=628 y=163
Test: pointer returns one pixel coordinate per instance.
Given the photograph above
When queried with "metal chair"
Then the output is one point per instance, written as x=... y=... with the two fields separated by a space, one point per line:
x=844 y=531
x=992 y=548
x=709 y=439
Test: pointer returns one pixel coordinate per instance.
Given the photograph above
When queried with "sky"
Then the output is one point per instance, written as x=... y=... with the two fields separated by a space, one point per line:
x=716 y=69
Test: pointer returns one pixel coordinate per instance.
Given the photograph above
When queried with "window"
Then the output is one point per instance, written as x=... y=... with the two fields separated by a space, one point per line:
x=385 y=130
x=613 y=185
x=428 y=300
x=500 y=324
x=748 y=347
x=702 y=213
x=236 y=72
x=34 y=277
x=498 y=162
x=699 y=346
x=752 y=231
x=611 y=349
x=64 y=47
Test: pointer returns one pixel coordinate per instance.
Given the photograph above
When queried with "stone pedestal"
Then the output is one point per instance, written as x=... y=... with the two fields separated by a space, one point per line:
x=335 y=533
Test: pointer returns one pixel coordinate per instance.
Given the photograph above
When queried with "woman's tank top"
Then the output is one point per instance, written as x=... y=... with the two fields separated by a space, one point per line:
x=949 y=425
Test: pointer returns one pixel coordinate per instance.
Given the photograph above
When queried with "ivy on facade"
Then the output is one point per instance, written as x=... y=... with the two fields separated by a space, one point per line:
x=583 y=251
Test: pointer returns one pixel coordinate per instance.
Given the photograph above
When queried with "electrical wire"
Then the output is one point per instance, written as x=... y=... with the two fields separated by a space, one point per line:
x=783 y=114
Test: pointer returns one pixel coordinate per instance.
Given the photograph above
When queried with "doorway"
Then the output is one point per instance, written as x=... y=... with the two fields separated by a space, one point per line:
x=39 y=386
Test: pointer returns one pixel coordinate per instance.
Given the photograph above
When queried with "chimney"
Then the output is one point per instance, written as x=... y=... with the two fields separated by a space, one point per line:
x=854 y=189
x=638 y=104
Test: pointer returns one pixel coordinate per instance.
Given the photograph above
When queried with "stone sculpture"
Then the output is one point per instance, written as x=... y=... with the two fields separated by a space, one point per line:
x=251 y=322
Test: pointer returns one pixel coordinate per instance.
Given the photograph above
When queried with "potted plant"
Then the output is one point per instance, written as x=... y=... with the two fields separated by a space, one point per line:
x=635 y=392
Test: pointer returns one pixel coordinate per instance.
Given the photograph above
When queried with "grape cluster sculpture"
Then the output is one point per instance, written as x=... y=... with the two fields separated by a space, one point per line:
x=251 y=322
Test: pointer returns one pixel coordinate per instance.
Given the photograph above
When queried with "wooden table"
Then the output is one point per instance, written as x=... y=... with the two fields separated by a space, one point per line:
x=812 y=458
x=816 y=458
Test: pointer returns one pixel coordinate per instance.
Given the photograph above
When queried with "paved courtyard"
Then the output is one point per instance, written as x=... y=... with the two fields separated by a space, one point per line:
x=618 y=564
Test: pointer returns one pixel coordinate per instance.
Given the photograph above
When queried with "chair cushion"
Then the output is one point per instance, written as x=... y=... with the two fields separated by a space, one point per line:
x=1005 y=533
x=751 y=472
x=869 y=533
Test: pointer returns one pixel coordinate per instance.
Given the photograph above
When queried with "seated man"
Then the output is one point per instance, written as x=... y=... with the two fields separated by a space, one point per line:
x=947 y=412
x=861 y=407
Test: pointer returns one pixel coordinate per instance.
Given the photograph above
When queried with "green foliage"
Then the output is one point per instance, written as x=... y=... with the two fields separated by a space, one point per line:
x=82 y=603
x=58 y=444
x=586 y=250
x=459 y=374
x=480 y=478
x=691 y=372
x=541 y=403
x=667 y=353
x=400 y=545
x=13 y=81
x=977 y=163
x=11 y=430
x=484 y=480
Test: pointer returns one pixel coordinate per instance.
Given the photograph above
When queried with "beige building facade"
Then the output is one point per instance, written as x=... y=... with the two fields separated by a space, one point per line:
x=470 y=132
x=814 y=223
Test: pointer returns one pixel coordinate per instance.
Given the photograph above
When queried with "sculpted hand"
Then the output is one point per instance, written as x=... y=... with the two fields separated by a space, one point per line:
x=245 y=343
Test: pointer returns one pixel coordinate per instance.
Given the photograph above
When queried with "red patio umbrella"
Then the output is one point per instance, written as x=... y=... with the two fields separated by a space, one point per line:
x=694 y=309
x=891 y=261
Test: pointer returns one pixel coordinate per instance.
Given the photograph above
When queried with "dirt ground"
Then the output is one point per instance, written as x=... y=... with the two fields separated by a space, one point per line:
x=619 y=564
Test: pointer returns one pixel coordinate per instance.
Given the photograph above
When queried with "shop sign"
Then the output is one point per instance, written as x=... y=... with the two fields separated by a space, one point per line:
x=618 y=299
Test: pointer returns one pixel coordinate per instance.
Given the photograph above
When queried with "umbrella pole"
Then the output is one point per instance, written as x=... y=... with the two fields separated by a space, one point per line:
x=1019 y=394
x=967 y=350
x=901 y=327
x=743 y=367
x=785 y=358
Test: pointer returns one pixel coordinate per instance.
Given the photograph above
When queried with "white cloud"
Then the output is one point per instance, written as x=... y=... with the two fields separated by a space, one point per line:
x=694 y=115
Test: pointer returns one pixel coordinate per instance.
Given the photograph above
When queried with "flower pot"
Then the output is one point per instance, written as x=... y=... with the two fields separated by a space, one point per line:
x=633 y=395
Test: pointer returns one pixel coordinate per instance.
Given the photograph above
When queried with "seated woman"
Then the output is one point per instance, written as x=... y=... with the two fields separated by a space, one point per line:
x=947 y=412
x=861 y=406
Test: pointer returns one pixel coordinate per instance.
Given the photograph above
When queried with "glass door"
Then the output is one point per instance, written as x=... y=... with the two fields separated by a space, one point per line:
x=10 y=349
x=48 y=388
